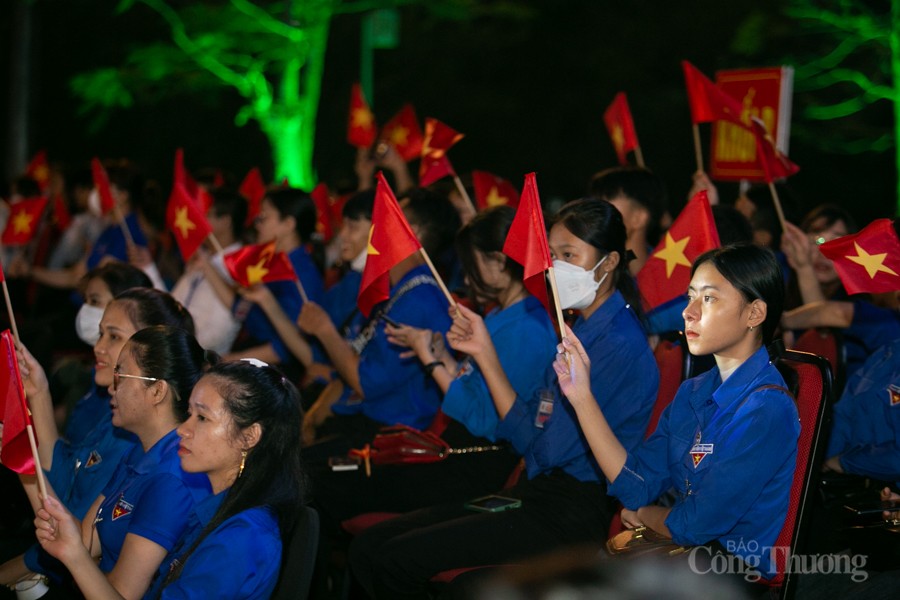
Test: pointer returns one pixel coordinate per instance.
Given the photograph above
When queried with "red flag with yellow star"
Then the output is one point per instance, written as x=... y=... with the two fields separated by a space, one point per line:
x=526 y=242
x=22 y=224
x=16 y=449
x=435 y=164
x=403 y=133
x=867 y=261
x=196 y=192
x=391 y=241
x=491 y=190
x=361 y=129
x=321 y=198
x=253 y=188
x=101 y=183
x=259 y=264
x=39 y=170
x=708 y=102
x=186 y=222
x=620 y=125
x=667 y=272
x=775 y=165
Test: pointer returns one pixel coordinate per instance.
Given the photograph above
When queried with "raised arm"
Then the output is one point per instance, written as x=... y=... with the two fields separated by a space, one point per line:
x=313 y=320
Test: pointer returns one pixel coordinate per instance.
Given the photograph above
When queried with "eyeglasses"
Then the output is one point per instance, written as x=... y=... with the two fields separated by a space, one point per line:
x=117 y=375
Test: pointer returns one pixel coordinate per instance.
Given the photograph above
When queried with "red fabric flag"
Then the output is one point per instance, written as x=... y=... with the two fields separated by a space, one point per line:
x=435 y=164
x=254 y=190
x=491 y=190
x=708 y=102
x=322 y=200
x=361 y=129
x=621 y=127
x=16 y=451
x=186 y=222
x=526 y=242
x=39 y=170
x=867 y=261
x=667 y=273
x=775 y=165
x=2 y=276
x=24 y=217
x=101 y=182
x=218 y=179
x=403 y=133
x=61 y=213
x=390 y=242
x=196 y=192
x=259 y=264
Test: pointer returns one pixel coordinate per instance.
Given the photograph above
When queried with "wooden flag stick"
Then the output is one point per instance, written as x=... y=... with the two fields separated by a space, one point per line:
x=38 y=469
x=462 y=192
x=215 y=243
x=777 y=202
x=129 y=239
x=555 y=292
x=639 y=157
x=302 y=291
x=698 y=149
x=440 y=281
x=12 y=318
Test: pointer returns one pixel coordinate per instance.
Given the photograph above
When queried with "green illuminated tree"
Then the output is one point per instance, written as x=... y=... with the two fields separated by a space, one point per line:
x=857 y=67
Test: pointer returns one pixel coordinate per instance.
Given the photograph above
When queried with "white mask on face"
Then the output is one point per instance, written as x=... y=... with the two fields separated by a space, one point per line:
x=359 y=263
x=87 y=323
x=94 y=206
x=577 y=288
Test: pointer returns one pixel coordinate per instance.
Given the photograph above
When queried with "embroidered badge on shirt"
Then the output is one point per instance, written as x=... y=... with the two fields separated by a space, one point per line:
x=122 y=509
x=699 y=452
x=894 y=392
x=93 y=459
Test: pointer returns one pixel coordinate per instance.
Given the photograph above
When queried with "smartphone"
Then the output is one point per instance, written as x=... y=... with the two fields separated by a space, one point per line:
x=388 y=320
x=343 y=463
x=873 y=508
x=493 y=503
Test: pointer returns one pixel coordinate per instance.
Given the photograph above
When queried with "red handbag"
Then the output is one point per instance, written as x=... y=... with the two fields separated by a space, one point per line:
x=401 y=444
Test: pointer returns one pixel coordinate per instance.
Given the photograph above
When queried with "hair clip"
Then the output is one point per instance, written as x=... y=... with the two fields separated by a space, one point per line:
x=255 y=362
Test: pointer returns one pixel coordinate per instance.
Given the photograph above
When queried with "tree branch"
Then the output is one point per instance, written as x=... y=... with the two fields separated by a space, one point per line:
x=271 y=23
x=871 y=90
x=864 y=26
x=835 y=111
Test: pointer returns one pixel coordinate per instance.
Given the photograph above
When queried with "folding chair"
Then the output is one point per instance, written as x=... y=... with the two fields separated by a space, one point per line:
x=828 y=343
x=809 y=378
x=299 y=557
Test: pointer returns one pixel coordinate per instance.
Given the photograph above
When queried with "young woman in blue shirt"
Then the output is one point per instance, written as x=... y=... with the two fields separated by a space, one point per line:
x=728 y=442
x=242 y=435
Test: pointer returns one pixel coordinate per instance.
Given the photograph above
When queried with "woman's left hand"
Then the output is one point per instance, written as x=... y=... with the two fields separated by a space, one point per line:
x=417 y=340
x=58 y=531
x=573 y=369
x=630 y=519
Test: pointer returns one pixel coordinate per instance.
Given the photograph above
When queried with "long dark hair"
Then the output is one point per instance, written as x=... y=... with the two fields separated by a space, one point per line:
x=486 y=232
x=148 y=306
x=755 y=273
x=174 y=356
x=273 y=475
x=118 y=277
x=599 y=223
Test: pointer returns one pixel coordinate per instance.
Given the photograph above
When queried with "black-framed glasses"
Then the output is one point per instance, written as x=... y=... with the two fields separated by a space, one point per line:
x=117 y=375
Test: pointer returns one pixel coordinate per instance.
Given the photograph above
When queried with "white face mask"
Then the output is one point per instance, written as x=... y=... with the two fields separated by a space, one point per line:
x=87 y=323
x=359 y=263
x=94 y=206
x=577 y=288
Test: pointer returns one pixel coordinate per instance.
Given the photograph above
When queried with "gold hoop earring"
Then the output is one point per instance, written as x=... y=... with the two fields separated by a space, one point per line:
x=243 y=460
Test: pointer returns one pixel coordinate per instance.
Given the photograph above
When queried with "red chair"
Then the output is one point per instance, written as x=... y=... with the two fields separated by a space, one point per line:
x=809 y=377
x=828 y=343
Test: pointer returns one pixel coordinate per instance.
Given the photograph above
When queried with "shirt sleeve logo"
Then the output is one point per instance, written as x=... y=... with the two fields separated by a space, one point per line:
x=894 y=394
x=122 y=509
x=699 y=452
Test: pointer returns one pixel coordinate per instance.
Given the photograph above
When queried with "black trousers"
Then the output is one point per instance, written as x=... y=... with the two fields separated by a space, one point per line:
x=397 y=558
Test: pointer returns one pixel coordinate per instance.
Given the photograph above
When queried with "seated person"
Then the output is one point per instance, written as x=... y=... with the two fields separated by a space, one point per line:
x=728 y=442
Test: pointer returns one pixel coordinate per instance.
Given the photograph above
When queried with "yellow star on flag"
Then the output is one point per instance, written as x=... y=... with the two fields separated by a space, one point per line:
x=495 y=199
x=182 y=222
x=362 y=117
x=873 y=263
x=256 y=272
x=399 y=136
x=618 y=138
x=22 y=223
x=371 y=249
x=673 y=253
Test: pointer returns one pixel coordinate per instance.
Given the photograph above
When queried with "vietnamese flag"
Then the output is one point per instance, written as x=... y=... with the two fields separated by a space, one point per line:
x=491 y=190
x=24 y=217
x=620 y=125
x=16 y=451
x=254 y=190
x=259 y=263
x=39 y=170
x=775 y=165
x=708 y=102
x=526 y=242
x=403 y=133
x=101 y=183
x=186 y=222
x=867 y=261
x=321 y=199
x=435 y=164
x=361 y=129
x=667 y=273
x=391 y=241
x=196 y=192
x=61 y=214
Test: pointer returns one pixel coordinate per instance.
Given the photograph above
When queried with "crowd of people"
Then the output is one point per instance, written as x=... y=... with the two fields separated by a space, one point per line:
x=185 y=420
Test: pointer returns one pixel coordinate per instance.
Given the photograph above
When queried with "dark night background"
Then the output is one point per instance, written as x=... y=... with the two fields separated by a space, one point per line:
x=529 y=95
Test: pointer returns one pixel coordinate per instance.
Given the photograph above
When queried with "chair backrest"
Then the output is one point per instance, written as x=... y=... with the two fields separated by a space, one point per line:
x=828 y=343
x=809 y=376
x=299 y=557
